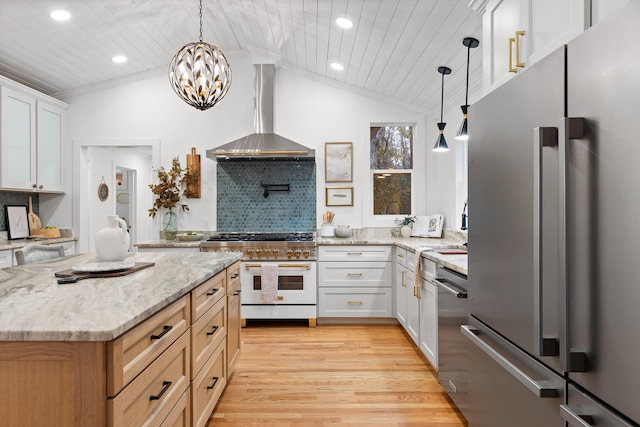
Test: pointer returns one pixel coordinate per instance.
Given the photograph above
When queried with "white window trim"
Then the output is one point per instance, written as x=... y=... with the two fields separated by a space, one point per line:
x=418 y=177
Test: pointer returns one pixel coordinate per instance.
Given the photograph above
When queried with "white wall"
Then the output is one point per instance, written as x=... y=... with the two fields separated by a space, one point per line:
x=312 y=112
x=308 y=111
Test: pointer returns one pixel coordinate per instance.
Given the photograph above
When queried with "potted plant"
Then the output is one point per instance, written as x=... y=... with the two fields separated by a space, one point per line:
x=405 y=225
x=172 y=186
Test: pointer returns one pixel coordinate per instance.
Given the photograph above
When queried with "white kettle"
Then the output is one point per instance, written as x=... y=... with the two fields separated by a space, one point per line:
x=112 y=242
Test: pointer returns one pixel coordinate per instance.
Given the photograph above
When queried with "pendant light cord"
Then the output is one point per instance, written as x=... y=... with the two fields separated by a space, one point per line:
x=466 y=94
x=201 y=28
x=442 y=98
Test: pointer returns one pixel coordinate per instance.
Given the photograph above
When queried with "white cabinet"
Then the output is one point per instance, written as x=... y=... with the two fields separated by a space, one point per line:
x=407 y=294
x=600 y=9
x=31 y=140
x=51 y=121
x=518 y=33
x=429 y=320
x=18 y=139
x=355 y=281
x=400 y=286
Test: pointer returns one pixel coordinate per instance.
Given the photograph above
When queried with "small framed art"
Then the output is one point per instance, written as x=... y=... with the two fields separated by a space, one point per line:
x=17 y=222
x=339 y=196
x=338 y=161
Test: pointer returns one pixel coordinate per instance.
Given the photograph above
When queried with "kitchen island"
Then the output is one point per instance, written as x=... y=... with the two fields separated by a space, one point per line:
x=97 y=352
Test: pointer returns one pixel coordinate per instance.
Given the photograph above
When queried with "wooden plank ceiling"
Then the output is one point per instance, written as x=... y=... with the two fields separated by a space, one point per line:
x=392 y=51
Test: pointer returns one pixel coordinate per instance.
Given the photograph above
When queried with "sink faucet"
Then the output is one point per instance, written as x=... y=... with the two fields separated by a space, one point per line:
x=464 y=216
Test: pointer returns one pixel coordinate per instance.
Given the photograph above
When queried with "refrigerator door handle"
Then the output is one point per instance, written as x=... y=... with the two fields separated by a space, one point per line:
x=575 y=420
x=569 y=128
x=539 y=388
x=543 y=346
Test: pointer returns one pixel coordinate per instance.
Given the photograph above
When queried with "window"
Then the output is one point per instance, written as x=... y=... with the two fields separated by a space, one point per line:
x=391 y=155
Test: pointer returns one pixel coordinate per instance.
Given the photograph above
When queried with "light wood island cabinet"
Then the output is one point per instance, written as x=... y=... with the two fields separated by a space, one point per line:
x=168 y=370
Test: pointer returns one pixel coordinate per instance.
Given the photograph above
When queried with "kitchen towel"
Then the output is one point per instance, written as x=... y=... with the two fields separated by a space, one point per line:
x=417 y=276
x=269 y=283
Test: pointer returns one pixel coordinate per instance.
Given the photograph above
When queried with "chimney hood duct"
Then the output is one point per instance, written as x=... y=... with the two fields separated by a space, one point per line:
x=263 y=144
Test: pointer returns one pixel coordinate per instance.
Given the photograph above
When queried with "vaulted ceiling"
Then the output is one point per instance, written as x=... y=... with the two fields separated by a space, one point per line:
x=393 y=50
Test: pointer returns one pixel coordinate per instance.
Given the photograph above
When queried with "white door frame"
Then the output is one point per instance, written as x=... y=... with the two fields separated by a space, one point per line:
x=81 y=188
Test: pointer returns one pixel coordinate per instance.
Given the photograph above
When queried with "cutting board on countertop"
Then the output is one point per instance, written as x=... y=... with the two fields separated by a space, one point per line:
x=70 y=276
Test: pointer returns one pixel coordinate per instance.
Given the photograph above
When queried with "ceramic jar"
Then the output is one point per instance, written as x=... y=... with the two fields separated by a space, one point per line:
x=327 y=230
x=405 y=231
x=112 y=242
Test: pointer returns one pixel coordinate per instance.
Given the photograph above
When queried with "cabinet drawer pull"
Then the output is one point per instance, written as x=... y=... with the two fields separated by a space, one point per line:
x=215 y=380
x=355 y=303
x=165 y=331
x=236 y=293
x=354 y=274
x=512 y=69
x=400 y=256
x=354 y=253
x=518 y=35
x=165 y=387
x=212 y=291
x=213 y=330
x=234 y=275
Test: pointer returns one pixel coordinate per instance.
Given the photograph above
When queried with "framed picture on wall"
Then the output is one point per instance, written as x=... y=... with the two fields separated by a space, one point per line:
x=339 y=196
x=17 y=222
x=338 y=161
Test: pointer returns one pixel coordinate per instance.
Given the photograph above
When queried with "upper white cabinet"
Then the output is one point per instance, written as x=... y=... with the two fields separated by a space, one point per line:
x=51 y=121
x=31 y=140
x=518 y=33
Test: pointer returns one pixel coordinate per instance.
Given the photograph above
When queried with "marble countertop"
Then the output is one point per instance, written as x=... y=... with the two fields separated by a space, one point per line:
x=21 y=243
x=169 y=244
x=34 y=307
x=455 y=262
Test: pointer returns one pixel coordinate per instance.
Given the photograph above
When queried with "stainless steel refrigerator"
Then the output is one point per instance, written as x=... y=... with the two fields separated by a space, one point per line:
x=554 y=237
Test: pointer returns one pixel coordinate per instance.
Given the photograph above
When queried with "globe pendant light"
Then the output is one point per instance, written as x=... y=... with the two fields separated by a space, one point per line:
x=441 y=143
x=200 y=74
x=462 y=134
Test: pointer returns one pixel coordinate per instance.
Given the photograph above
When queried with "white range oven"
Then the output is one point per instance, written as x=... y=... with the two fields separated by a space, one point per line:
x=295 y=257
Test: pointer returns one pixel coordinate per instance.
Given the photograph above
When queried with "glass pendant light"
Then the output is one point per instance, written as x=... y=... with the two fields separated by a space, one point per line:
x=462 y=134
x=200 y=74
x=441 y=142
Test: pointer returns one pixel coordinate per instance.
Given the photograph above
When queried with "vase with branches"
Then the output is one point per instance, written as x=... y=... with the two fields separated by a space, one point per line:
x=172 y=186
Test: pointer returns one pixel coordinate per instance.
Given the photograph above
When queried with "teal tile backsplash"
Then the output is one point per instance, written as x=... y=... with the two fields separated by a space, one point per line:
x=242 y=207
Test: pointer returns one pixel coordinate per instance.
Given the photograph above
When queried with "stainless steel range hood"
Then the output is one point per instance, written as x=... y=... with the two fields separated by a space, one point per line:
x=263 y=144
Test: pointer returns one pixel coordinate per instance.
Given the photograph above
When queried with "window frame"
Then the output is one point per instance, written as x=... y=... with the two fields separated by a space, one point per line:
x=418 y=173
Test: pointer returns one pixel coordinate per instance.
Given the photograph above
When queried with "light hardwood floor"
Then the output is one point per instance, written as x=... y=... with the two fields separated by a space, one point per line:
x=292 y=375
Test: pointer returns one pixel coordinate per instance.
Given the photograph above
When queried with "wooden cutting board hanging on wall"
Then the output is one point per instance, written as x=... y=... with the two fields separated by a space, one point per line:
x=193 y=162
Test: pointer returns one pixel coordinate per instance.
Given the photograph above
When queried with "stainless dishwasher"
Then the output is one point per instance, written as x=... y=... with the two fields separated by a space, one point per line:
x=453 y=356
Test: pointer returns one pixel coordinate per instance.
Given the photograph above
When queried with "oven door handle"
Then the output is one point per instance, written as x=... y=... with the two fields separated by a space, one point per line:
x=305 y=266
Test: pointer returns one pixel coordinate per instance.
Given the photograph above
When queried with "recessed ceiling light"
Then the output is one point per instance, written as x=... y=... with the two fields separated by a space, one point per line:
x=344 y=22
x=60 y=15
x=336 y=66
x=119 y=59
